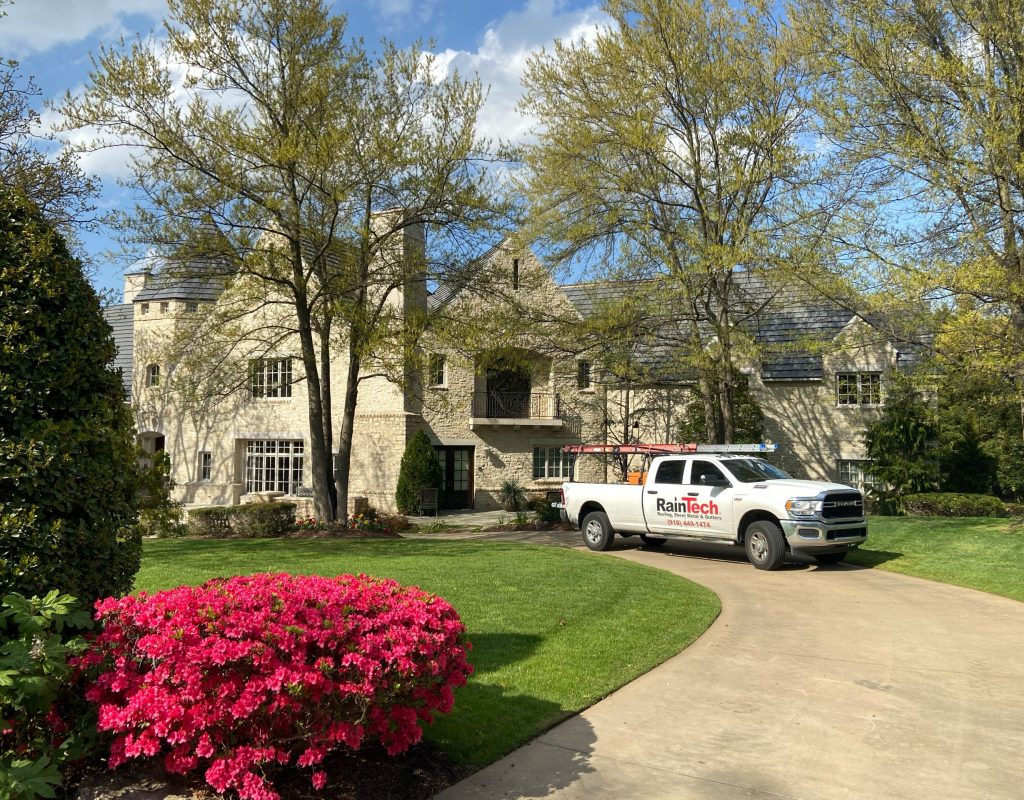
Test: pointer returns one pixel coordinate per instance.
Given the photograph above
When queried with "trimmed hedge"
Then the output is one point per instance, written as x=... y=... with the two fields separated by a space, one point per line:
x=951 y=504
x=250 y=519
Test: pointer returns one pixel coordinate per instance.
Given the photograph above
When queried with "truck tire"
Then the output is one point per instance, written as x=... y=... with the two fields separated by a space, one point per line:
x=652 y=541
x=597 y=531
x=765 y=546
x=831 y=558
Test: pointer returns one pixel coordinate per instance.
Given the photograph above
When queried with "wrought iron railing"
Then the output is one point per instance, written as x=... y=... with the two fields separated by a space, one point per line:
x=516 y=405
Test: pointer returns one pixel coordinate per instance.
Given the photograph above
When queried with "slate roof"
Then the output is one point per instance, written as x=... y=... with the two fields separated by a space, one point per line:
x=121 y=319
x=198 y=282
x=786 y=326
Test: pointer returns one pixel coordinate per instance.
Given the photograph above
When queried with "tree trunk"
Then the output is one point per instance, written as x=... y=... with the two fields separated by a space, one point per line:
x=348 y=419
x=327 y=416
x=319 y=452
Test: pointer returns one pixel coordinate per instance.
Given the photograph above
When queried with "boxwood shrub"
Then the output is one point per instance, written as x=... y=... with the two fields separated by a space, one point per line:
x=250 y=519
x=952 y=504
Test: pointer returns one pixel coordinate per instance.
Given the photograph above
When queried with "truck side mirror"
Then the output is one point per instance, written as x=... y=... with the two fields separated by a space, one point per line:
x=714 y=480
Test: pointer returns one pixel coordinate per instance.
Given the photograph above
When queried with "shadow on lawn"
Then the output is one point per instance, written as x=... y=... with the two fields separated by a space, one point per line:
x=862 y=557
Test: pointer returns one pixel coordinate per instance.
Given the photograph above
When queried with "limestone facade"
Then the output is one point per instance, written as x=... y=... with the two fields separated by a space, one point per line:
x=489 y=422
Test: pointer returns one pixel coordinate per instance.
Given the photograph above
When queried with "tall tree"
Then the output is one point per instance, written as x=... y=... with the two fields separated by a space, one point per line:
x=927 y=96
x=673 y=139
x=273 y=159
x=54 y=181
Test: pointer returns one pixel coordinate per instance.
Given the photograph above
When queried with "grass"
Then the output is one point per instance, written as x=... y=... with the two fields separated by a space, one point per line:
x=976 y=552
x=553 y=630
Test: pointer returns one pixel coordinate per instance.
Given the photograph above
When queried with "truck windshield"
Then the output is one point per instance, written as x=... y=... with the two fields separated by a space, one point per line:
x=752 y=470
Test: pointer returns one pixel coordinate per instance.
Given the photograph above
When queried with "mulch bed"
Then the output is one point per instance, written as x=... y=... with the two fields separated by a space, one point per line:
x=418 y=774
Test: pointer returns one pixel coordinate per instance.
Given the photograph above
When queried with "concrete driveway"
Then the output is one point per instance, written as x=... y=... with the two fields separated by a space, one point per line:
x=815 y=682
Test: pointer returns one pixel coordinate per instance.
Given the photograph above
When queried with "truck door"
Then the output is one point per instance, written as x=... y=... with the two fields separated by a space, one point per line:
x=707 y=496
x=661 y=494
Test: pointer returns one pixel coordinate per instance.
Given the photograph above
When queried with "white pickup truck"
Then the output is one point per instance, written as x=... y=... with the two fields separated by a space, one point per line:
x=722 y=498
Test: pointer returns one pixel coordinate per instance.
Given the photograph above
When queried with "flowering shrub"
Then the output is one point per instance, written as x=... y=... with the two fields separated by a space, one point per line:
x=308 y=524
x=241 y=674
x=367 y=521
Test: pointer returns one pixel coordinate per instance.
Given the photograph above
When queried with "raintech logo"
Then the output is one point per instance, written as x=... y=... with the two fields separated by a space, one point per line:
x=688 y=505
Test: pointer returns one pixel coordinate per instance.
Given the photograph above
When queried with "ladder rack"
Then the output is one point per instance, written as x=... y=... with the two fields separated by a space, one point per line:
x=667 y=449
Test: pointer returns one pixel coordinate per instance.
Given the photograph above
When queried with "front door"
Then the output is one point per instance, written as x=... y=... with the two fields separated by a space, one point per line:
x=456 y=477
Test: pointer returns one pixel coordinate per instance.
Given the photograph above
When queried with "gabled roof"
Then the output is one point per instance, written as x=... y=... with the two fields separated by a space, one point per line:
x=121 y=319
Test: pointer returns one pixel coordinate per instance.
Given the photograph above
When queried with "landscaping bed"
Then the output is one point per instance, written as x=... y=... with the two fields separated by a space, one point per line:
x=542 y=648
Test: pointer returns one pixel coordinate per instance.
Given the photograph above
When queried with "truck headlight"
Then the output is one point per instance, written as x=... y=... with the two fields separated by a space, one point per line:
x=803 y=506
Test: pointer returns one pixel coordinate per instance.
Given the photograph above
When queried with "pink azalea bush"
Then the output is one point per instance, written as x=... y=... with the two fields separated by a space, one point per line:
x=241 y=674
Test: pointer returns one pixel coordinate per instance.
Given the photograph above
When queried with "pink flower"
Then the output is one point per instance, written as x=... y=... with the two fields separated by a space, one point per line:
x=231 y=676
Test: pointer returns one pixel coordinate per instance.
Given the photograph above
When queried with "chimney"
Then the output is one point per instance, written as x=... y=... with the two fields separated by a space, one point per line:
x=135 y=282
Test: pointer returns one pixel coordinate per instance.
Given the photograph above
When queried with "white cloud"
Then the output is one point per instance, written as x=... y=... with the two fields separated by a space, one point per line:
x=35 y=26
x=395 y=14
x=501 y=57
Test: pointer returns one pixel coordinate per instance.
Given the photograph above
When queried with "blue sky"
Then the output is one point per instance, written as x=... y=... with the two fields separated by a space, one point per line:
x=53 y=38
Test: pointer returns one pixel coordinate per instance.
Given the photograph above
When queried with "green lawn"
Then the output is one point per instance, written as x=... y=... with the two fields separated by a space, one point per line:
x=977 y=552
x=553 y=630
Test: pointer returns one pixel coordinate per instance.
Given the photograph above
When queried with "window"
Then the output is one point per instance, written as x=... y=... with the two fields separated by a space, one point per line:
x=273 y=466
x=551 y=462
x=144 y=308
x=582 y=374
x=191 y=306
x=853 y=473
x=205 y=466
x=270 y=377
x=515 y=273
x=670 y=472
x=165 y=307
x=858 y=388
x=704 y=469
x=153 y=375
x=435 y=370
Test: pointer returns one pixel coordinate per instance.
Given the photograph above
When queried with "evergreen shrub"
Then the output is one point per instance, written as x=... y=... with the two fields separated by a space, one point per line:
x=419 y=471
x=68 y=471
x=952 y=504
x=247 y=520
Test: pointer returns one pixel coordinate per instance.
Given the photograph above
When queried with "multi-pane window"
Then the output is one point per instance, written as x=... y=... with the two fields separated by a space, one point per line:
x=551 y=462
x=854 y=473
x=273 y=466
x=165 y=307
x=191 y=306
x=153 y=375
x=205 y=466
x=582 y=374
x=435 y=370
x=859 y=388
x=143 y=308
x=270 y=377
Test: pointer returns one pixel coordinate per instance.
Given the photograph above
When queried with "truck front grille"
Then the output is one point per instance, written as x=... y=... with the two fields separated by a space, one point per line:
x=842 y=506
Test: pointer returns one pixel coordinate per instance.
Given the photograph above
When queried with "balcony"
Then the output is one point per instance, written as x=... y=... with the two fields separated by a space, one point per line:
x=516 y=409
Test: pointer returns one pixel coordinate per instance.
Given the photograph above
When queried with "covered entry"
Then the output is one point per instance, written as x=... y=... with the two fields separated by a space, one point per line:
x=456 y=476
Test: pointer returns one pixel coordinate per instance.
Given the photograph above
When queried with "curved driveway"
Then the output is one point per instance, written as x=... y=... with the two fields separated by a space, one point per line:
x=815 y=682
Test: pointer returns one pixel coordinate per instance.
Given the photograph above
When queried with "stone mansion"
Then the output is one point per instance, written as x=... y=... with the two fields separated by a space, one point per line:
x=488 y=423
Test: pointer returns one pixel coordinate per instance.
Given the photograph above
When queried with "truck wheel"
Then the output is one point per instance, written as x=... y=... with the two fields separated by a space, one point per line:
x=652 y=541
x=764 y=544
x=597 y=531
x=831 y=558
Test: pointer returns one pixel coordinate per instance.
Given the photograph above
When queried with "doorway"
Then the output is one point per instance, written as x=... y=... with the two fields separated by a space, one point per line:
x=456 y=477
